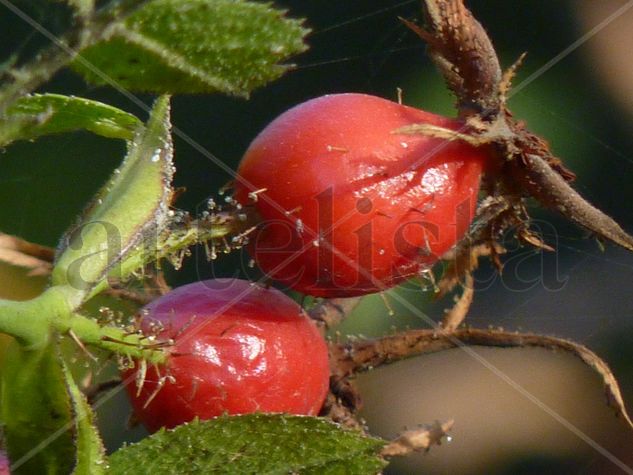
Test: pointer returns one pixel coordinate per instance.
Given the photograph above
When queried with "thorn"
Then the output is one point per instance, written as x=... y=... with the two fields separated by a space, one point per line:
x=534 y=240
x=159 y=386
x=506 y=80
x=385 y=299
x=437 y=132
x=80 y=344
x=293 y=211
x=425 y=35
x=226 y=187
x=428 y=276
x=178 y=192
x=455 y=316
x=140 y=377
x=253 y=194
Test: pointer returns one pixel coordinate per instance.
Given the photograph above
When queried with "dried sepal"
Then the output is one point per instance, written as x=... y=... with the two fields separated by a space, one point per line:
x=537 y=178
x=524 y=166
x=416 y=440
x=18 y=252
x=464 y=54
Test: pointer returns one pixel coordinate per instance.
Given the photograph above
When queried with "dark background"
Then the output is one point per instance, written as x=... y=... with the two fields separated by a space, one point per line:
x=578 y=292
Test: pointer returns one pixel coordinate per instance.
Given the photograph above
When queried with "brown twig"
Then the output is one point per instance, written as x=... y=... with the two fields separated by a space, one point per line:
x=358 y=356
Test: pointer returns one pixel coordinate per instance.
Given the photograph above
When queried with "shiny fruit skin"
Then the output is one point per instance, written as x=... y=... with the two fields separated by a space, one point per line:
x=238 y=348
x=348 y=207
x=5 y=464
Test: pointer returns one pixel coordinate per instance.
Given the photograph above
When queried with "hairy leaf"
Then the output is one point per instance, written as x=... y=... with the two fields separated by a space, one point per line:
x=130 y=209
x=42 y=114
x=195 y=46
x=90 y=453
x=36 y=411
x=253 y=444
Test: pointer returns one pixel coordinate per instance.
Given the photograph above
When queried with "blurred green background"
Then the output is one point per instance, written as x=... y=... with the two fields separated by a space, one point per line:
x=582 y=104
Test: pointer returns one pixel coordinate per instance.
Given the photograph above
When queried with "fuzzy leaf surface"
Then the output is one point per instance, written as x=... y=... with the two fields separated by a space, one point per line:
x=89 y=450
x=253 y=444
x=36 y=411
x=132 y=207
x=196 y=46
x=43 y=114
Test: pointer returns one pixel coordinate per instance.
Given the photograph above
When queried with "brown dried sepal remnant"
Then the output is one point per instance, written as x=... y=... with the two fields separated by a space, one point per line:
x=416 y=440
x=523 y=165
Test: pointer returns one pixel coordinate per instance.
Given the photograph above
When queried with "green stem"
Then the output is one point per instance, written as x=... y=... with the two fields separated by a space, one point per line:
x=172 y=245
x=113 y=339
x=55 y=311
x=32 y=323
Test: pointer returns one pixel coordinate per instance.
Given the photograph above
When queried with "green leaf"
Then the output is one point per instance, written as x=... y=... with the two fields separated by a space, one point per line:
x=90 y=453
x=196 y=46
x=252 y=444
x=129 y=211
x=36 y=411
x=43 y=114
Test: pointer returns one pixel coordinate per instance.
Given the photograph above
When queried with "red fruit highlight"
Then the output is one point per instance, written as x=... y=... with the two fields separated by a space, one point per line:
x=238 y=348
x=349 y=207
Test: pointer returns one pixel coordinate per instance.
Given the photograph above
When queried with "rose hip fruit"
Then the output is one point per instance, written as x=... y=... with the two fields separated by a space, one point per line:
x=5 y=464
x=347 y=205
x=238 y=348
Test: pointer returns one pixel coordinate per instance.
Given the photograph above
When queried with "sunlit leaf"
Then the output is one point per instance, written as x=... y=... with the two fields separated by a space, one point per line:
x=129 y=209
x=195 y=46
x=36 y=411
x=43 y=114
x=89 y=450
x=253 y=444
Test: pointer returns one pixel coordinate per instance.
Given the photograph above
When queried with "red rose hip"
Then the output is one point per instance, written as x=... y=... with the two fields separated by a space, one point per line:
x=238 y=348
x=350 y=207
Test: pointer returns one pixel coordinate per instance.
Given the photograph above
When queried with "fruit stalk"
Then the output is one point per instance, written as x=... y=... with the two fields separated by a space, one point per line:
x=32 y=322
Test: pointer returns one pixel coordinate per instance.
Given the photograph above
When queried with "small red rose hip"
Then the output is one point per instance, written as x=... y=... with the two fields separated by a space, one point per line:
x=350 y=207
x=238 y=348
x=5 y=464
